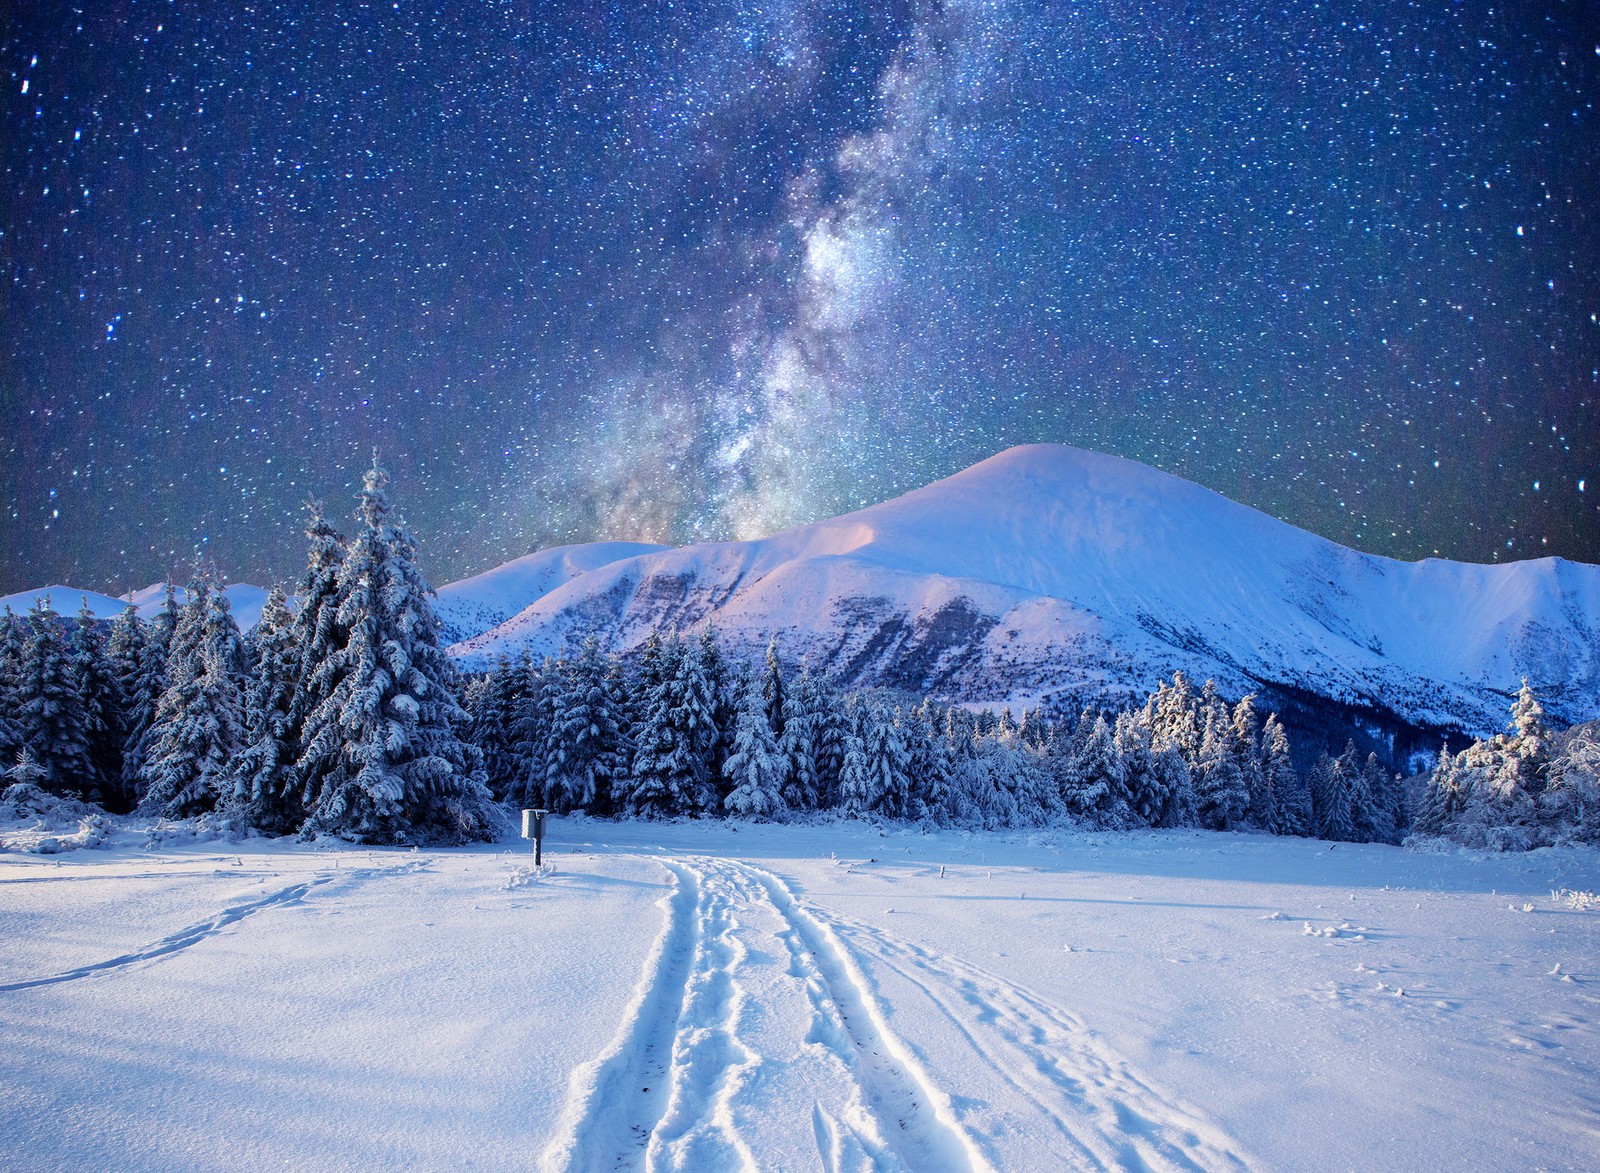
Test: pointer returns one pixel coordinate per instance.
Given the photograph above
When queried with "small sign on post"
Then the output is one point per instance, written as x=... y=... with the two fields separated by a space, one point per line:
x=533 y=828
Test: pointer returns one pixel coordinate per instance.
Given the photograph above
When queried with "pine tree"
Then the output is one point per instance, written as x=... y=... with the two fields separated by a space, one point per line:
x=1289 y=802
x=1220 y=784
x=1096 y=786
x=773 y=691
x=887 y=762
x=586 y=756
x=320 y=641
x=1146 y=798
x=198 y=727
x=1569 y=805
x=126 y=656
x=724 y=708
x=496 y=704
x=1332 y=781
x=263 y=790
x=534 y=731
x=928 y=762
x=1441 y=800
x=401 y=772
x=49 y=709
x=11 y=661
x=670 y=773
x=1250 y=752
x=96 y=685
x=798 y=747
x=143 y=697
x=756 y=766
x=856 y=780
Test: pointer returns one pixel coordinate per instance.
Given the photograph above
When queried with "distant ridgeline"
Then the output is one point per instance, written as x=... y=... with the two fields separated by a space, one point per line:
x=345 y=716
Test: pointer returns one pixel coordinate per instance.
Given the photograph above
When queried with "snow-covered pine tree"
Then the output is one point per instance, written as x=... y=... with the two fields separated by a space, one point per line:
x=724 y=709
x=887 y=762
x=1174 y=717
x=773 y=690
x=1096 y=786
x=495 y=704
x=856 y=780
x=1288 y=801
x=1219 y=783
x=533 y=732
x=49 y=709
x=1332 y=780
x=1442 y=799
x=1006 y=775
x=1375 y=812
x=826 y=710
x=1176 y=782
x=672 y=755
x=96 y=684
x=143 y=697
x=586 y=756
x=1569 y=805
x=126 y=655
x=403 y=772
x=756 y=766
x=929 y=760
x=1130 y=737
x=263 y=791
x=319 y=640
x=1249 y=752
x=1026 y=776
x=11 y=659
x=963 y=805
x=798 y=748
x=198 y=728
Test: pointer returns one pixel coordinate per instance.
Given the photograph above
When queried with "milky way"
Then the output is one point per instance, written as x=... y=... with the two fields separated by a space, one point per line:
x=703 y=270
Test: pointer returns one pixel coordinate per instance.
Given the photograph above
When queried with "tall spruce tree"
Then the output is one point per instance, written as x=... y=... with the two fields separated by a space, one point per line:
x=11 y=661
x=586 y=753
x=50 y=714
x=401 y=772
x=143 y=697
x=126 y=653
x=1288 y=800
x=264 y=792
x=319 y=641
x=198 y=728
x=95 y=680
x=756 y=766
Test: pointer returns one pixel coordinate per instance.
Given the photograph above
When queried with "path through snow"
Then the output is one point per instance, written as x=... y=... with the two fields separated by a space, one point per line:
x=757 y=1036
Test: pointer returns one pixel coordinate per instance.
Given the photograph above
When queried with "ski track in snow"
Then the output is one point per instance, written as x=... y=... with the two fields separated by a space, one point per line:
x=1105 y=1114
x=741 y=976
x=194 y=934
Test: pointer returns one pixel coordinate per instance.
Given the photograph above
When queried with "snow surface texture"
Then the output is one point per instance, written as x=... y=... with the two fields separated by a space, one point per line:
x=715 y=996
x=1048 y=570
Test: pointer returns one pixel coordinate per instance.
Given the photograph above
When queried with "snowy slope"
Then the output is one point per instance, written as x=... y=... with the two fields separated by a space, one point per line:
x=712 y=996
x=477 y=604
x=1051 y=571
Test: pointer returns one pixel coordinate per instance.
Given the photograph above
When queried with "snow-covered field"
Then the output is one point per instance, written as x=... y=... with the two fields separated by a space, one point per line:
x=714 y=996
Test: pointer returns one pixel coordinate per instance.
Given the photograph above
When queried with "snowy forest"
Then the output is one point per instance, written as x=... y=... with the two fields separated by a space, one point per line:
x=340 y=713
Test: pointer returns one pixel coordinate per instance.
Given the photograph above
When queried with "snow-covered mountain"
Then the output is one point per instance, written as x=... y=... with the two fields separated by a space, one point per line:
x=245 y=600
x=484 y=601
x=1048 y=573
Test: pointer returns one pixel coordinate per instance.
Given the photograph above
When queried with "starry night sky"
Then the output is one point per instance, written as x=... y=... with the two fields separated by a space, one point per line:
x=680 y=271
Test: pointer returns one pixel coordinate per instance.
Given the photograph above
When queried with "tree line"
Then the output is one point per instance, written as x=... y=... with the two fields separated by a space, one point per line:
x=343 y=715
